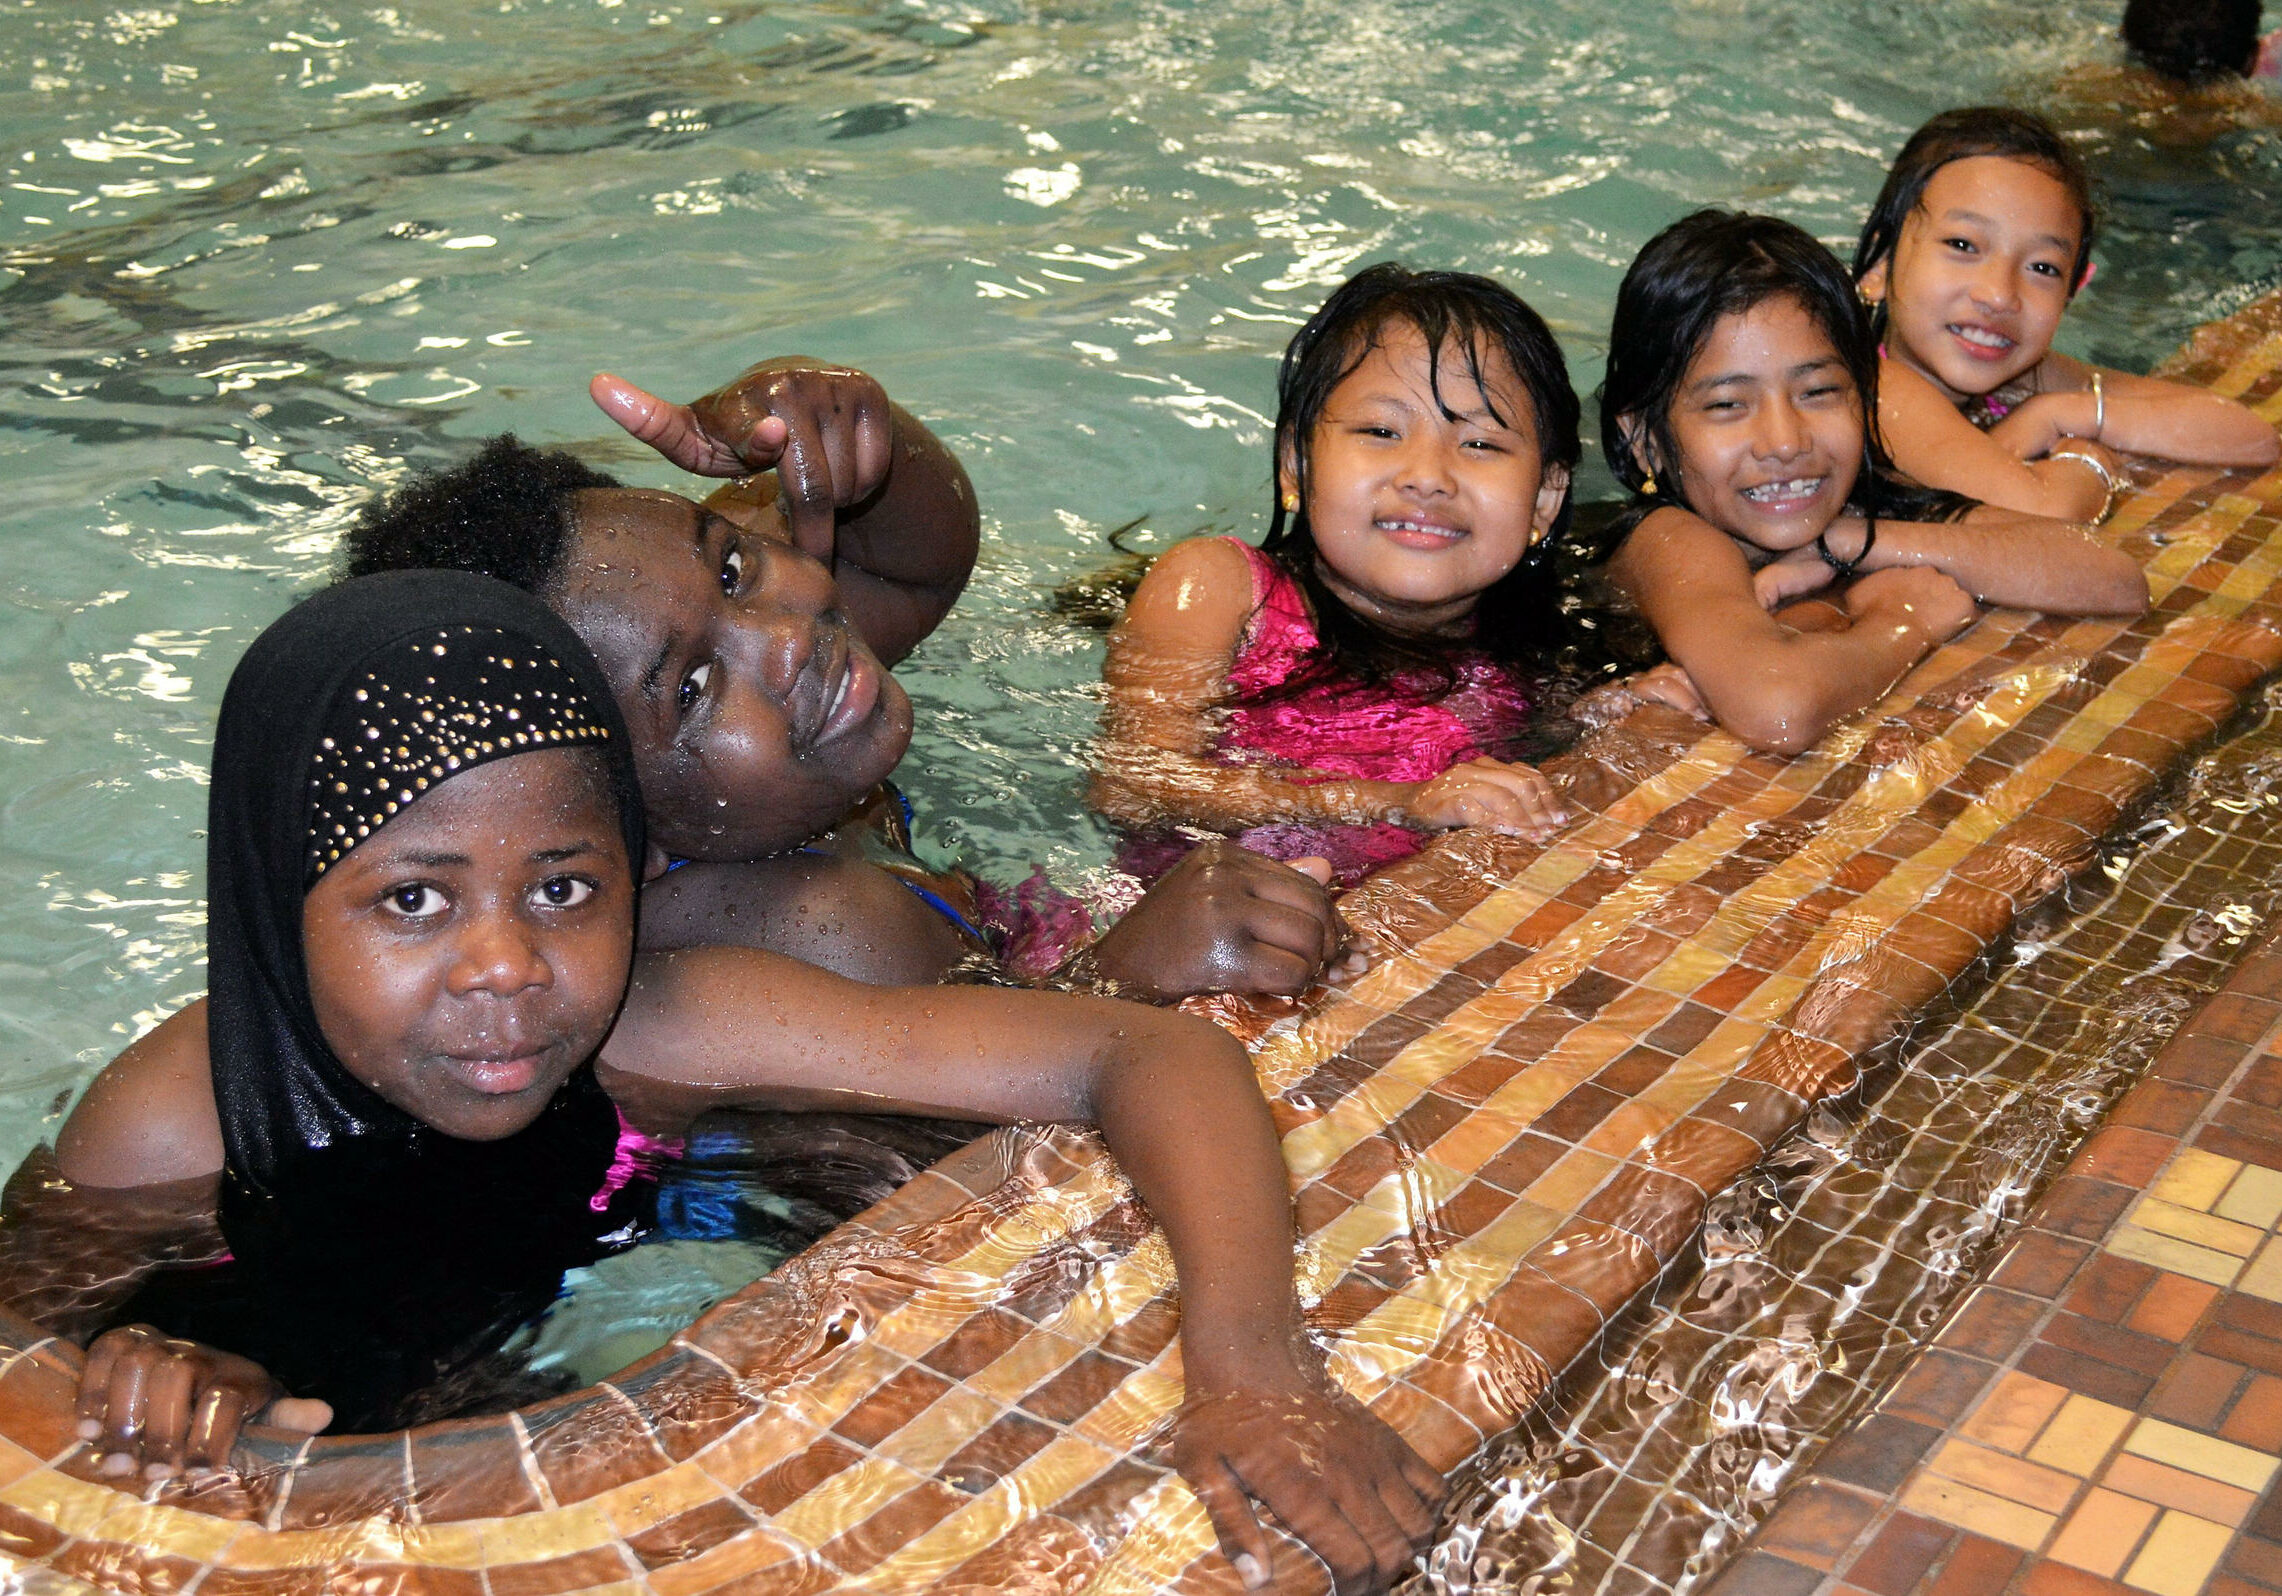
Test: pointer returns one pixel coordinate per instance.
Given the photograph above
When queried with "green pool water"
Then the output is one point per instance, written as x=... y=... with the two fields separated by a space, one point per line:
x=258 y=260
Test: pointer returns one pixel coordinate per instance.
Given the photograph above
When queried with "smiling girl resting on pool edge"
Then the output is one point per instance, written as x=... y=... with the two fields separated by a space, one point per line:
x=421 y=892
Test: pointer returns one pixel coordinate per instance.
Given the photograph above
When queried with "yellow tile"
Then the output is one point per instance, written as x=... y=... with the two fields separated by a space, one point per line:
x=2179 y=1555
x=2264 y=1276
x=2101 y=1534
x=639 y=1504
x=2206 y=1455
x=2191 y=1225
x=2255 y=1198
x=2080 y=1434
x=2001 y=1474
x=1977 y=1511
x=2196 y=1179
x=523 y=1537
x=2167 y=1252
x=2011 y=1414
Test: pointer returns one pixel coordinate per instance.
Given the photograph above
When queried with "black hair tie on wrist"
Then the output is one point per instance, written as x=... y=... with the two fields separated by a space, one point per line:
x=1847 y=569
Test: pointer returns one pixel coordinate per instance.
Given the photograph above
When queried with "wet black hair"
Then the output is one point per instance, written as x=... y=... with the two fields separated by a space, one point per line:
x=1961 y=135
x=506 y=512
x=1521 y=617
x=2193 y=41
x=1706 y=266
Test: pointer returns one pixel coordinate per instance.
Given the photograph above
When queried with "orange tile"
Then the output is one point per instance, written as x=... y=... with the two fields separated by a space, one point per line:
x=2257 y=1417
x=2169 y=1487
x=2015 y=1409
x=2171 y=1306
x=2102 y=1534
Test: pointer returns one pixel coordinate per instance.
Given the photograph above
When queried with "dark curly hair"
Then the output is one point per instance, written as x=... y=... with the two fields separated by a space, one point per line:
x=2193 y=41
x=504 y=513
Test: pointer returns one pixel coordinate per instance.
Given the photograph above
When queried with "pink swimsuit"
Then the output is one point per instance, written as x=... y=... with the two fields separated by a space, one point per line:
x=1403 y=730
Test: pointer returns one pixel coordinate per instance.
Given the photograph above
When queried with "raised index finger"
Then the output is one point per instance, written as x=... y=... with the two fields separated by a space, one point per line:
x=673 y=430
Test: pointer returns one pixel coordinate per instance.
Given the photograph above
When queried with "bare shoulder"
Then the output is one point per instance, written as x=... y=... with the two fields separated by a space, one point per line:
x=1202 y=586
x=1906 y=399
x=1672 y=545
x=149 y=1117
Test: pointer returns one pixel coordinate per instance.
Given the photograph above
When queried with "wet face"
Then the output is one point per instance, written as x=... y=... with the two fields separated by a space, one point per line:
x=758 y=715
x=1979 y=277
x=1769 y=427
x=1418 y=499
x=470 y=954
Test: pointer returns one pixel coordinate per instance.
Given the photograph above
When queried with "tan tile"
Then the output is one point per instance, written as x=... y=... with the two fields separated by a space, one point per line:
x=2015 y=1409
x=2206 y=1455
x=2166 y=1486
x=2264 y=1276
x=2100 y=1535
x=2167 y=1252
x=1978 y=1511
x=2254 y=1198
x=2080 y=1434
x=2196 y=1179
x=2016 y=1479
x=2193 y=1225
x=2179 y=1556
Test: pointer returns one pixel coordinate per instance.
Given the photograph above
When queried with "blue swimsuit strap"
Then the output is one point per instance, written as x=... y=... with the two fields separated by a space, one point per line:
x=933 y=900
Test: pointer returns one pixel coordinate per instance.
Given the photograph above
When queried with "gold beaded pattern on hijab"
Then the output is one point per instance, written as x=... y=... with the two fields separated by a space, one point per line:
x=424 y=711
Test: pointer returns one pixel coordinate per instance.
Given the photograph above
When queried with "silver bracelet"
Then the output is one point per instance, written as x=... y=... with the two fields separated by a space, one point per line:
x=2099 y=419
x=2099 y=469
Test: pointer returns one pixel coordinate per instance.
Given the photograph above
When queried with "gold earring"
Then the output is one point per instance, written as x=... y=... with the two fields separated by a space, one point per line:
x=1291 y=504
x=1648 y=484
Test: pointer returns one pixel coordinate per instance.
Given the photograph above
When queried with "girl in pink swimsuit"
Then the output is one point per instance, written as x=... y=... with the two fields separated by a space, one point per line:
x=1366 y=674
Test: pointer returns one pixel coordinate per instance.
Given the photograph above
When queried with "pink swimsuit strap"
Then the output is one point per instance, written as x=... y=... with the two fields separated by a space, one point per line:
x=637 y=1153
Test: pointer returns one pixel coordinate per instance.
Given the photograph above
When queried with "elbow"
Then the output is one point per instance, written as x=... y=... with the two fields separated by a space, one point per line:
x=1778 y=717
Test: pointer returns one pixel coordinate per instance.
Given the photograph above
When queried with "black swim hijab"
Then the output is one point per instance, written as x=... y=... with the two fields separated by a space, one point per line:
x=344 y=711
x=377 y=1263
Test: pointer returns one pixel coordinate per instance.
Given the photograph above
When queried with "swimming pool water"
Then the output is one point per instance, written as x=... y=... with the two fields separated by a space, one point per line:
x=257 y=260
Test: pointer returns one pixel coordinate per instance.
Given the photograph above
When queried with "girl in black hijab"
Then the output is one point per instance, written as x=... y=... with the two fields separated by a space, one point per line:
x=392 y=1219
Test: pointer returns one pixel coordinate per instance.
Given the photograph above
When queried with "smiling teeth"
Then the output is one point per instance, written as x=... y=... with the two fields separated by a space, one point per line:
x=1796 y=488
x=839 y=693
x=1420 y=526
x=1982 y=338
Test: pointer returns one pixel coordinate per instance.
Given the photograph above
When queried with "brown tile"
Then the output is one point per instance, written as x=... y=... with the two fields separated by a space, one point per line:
x=2058 y=1579
x=2238 y=1016
x=2169 y=1107
x=2196 y=1391
x=1572 y=1119
x=2141 y=1354
x=895 y=1403
x=979 y=1342
x=1898 y=1557
x=1938 y=1387
x=1977 y=1568
x=1101 y=1504
x=2123 y=1387
x=264 y=1581
x=2256 y=1419
x=2229 y=1142
x=786 y=1483
x=1478 y=1081
x=1635 y=1070
x=1992 y=1324
x=1147 y=1333
x=1661 y=1209
x=2109 y=1287
x=472 y=1470
x=690 y=1402
x=2040 y=1263
x=893 y=1527
x=1878 y=1453
x=2172 y=1307
x=355 y=1477
x=588 y=1443
x=1470 y=1209
x=1762 y=1573
x=685 y=1535
x=1078 y=1389
x=2074 y=1206
x=1815 y=1522
x=2125 y=1154
x=996 y=1452
x=2197 y=1060
x=1704 y=1153
x=1524 y=1159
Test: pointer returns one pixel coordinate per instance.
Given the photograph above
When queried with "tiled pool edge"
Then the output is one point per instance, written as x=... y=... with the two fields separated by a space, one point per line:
x=1496 y=1140
x=2103 y=1413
